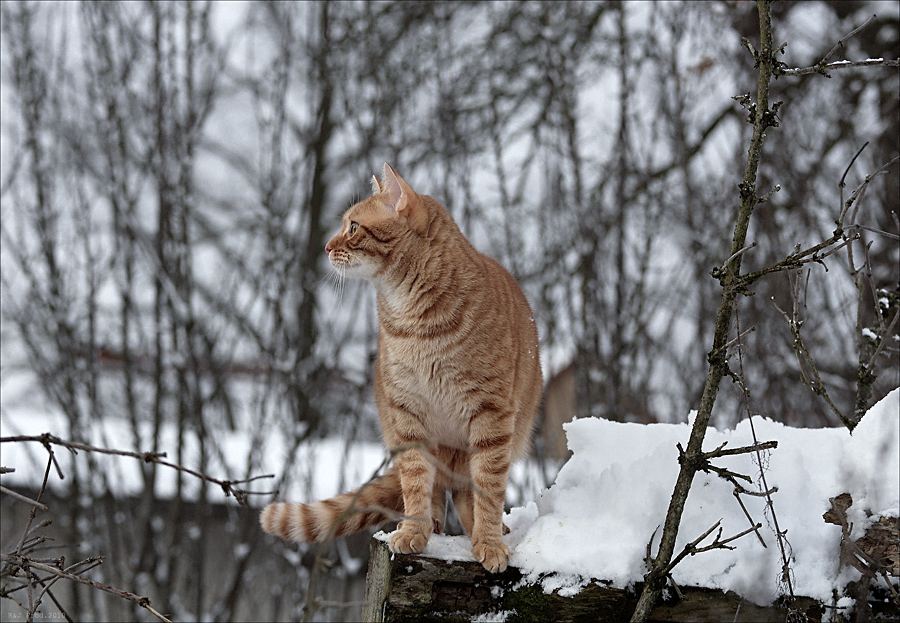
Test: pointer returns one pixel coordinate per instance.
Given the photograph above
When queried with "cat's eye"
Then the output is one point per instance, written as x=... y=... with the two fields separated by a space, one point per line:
x=353 y=228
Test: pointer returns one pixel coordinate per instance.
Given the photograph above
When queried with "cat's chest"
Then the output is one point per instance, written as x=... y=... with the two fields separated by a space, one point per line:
x=433 y=381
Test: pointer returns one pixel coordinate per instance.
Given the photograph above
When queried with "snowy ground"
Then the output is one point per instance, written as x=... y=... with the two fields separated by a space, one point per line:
x=596 y=520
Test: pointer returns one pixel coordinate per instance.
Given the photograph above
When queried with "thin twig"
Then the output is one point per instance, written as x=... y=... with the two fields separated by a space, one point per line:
x=765 y=445
x=840 y=43
x=824 y=69
x=227 y=486
x=883 y=340
x=881 y=232
x=60 y=606
x=737 y=495
x=725 y=264
x=33 y=513
x=22 y=498
x=859 y=190
x=25 y=563
x=770 y=504
x=801 y=258
x=842 y=184
x=803 y=357
x=692 y=547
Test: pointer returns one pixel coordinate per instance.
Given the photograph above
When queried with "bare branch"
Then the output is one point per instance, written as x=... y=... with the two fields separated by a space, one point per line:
x=763 y=117
x=803 y=357
x=800 y=258
x=840 y=43
x=859 y=190
x=692 y=547
x=737 y=496
x=26 y=564
x=765 y=445
x=880 y=232
x=22 y=498
x=883 y=339
x=228 y=487
x=824 y=69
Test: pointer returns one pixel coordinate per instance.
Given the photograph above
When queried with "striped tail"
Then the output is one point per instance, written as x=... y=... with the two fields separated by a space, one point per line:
x=370 y=505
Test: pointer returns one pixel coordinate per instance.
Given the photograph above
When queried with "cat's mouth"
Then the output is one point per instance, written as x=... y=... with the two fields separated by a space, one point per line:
x=341 y=259
x=348 y=265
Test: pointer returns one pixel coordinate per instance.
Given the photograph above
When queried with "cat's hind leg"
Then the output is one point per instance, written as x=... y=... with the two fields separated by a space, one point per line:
x=463 y=501
x=491 y=457
x=438 y=508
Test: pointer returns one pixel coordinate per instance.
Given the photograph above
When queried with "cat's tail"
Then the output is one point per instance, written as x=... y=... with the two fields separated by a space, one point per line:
x=372 y=504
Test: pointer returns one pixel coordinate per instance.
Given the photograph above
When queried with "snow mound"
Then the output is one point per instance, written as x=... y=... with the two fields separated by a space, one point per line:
x=607 y=501
x=596 y=520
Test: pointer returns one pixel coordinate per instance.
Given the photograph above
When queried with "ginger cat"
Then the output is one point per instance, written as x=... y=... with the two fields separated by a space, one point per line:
x=457 y=380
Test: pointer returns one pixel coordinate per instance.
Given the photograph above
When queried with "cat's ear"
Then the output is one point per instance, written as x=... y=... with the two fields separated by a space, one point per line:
x=403 y=200
x=393 y=187
x=376 y=186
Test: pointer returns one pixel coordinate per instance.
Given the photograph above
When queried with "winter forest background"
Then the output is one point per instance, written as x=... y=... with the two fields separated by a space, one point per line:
x=171 y=172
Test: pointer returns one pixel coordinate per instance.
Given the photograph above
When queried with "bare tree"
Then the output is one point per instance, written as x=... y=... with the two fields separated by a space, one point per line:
x=169 y=182
x=735 y=284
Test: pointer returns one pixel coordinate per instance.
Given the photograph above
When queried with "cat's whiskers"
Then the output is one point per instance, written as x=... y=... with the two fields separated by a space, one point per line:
x=338 y=277
x=342 y=281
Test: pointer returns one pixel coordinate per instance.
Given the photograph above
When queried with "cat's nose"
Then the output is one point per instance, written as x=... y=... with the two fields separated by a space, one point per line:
x=328 y=248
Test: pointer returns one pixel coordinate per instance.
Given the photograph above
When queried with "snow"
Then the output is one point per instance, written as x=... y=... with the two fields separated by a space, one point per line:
x=595 y=521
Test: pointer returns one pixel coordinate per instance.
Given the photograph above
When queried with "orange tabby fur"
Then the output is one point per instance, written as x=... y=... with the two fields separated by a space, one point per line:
x=457 y=380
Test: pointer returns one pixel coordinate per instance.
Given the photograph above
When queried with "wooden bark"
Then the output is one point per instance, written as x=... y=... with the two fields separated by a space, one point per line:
x=403 y=588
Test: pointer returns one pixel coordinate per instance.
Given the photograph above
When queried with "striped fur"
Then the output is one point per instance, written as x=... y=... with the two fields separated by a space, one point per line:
x=457 y=380
x=367 y=507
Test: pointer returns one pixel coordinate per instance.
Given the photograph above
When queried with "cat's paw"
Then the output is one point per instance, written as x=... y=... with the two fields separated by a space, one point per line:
x=409 y=538
x=437 y=527
x=494 y=555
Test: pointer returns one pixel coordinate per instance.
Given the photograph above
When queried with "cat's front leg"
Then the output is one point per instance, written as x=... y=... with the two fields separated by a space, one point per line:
x=491 y=457
x=417 y=474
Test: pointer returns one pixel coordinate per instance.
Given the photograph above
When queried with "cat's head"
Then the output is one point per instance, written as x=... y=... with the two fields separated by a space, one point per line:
x=374 y=229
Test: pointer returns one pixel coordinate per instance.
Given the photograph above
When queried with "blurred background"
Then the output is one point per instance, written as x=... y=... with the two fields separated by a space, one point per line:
x=171 y=172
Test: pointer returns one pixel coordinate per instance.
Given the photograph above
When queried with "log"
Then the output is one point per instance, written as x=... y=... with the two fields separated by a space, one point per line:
x=402 y=588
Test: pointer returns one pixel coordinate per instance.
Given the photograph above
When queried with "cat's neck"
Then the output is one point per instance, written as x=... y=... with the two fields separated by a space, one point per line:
x=437 y=270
